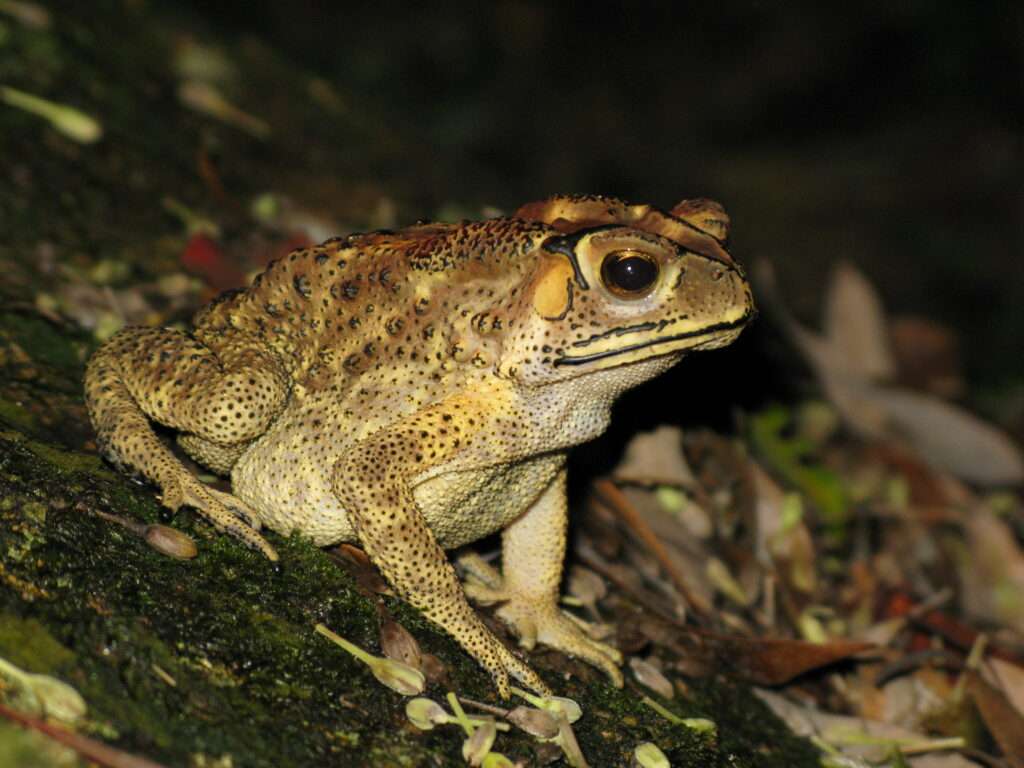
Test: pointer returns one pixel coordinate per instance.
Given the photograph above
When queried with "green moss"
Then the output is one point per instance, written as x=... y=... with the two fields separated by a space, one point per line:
x=16 y=416
x=46 y=344
x=26 y=643
x=63 y=460
x=748 y=731
x=34 y=511
x=69 y=461
x=217 y=655
x=28 y=749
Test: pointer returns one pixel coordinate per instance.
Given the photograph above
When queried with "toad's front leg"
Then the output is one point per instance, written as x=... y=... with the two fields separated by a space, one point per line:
x=373 y=484
x=533 y=552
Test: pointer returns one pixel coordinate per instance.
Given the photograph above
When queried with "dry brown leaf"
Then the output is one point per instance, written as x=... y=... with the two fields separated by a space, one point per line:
x=434 y=669
x=587 y=587
x=535 y=722
x=356 y=562
x=785 y=543
x=1004 y=722
x=855 y=323
x=610 y=495
x=1009 y=679
x=856 y=737
x=774 y=661
x=883 y=632
x=397 y=643
x=650 y=676
x=927 y=356
x=992 y=571
x=950 y=438
x=945 y=436
x=655 y=458
x=908 y=701
x=768 y=512
x=685 y=522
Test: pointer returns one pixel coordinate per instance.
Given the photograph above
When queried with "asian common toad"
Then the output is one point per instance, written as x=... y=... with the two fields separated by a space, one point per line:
x=417 y=390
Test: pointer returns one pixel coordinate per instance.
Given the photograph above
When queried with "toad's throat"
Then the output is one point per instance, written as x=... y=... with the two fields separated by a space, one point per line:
x=708 y=330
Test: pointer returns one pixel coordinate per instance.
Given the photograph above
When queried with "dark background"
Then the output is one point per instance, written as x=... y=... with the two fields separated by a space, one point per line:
x=885 y=133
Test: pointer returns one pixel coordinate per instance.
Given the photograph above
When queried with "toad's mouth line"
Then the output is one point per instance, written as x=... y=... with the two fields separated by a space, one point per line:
x=582 y=359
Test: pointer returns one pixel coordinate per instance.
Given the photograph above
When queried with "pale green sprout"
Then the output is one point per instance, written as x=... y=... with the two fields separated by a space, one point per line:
x=566 y=739
x=478 y=746
x=810 y=625
x=670 y=498
x=45 y=695
x=554 y=704
x=195 y=223
x=792 y=512
x=897 y=492
x=651 y=677
x=265 y=208
x=845 y=736
x=460 y=714
x=535 y=722
x=720 y=577
x=70 y=122
x=707 y=728
x=425 y=713
x=397 y=676
x=565 y=711
x=479 y=740
x=497 y=760
x=207 y=99
x=647 y=755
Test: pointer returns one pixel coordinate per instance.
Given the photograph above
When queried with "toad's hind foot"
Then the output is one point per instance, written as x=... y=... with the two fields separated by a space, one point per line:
x=227 y=513
x=481 y=578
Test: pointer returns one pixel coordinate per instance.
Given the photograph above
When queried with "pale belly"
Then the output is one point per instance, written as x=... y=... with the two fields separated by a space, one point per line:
x=288 y=485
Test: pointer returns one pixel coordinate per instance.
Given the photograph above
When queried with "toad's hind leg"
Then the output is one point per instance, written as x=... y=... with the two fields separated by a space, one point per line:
x=221 y=398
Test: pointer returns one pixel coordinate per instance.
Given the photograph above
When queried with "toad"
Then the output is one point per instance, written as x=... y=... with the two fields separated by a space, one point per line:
x=414 y=391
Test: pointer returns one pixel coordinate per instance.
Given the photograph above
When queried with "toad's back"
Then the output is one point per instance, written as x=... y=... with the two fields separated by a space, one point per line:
x=375 y=301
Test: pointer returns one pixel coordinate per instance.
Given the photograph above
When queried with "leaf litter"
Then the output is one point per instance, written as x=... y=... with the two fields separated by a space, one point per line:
x=858 y=558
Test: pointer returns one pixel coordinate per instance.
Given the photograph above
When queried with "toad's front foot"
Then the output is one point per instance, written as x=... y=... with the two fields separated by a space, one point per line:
x=539 y=620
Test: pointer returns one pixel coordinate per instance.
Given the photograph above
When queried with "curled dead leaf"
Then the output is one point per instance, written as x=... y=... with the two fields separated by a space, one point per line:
x=397 y=643
x=535 y=722
x=655 y=458
x=855 y=323
x=946 y=436
x=651 y=677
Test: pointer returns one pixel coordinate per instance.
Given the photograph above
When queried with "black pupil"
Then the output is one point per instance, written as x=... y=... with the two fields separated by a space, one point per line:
x=629 y=273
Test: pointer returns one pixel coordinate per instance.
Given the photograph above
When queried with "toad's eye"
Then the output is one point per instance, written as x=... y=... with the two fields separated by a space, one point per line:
x=629 y=274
